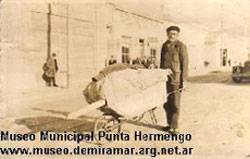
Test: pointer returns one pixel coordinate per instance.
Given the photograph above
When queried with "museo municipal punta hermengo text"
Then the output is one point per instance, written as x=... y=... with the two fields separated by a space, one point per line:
x=90 y=136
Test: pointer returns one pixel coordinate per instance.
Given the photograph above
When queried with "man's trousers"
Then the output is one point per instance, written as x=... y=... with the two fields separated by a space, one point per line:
x=172 y=106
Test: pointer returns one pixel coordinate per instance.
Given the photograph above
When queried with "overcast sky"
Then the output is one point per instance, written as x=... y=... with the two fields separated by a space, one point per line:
x=209 y=13
x=206 y=14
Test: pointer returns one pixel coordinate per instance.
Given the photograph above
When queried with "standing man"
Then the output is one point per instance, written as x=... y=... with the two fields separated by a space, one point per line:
x=174 y=56
x=52 y=69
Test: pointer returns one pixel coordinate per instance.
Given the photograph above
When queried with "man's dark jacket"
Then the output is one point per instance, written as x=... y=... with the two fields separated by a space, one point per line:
x=174 y=56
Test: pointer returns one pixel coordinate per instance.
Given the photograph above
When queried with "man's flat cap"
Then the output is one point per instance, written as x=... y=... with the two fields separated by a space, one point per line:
x=176 y=28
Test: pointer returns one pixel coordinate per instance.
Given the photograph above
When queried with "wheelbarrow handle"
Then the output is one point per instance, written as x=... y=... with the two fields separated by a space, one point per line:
x=176 y=91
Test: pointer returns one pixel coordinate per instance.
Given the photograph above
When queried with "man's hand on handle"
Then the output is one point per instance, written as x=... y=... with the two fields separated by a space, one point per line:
x=184 y=85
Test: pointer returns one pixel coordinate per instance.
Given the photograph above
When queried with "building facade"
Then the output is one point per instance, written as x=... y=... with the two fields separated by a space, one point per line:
x=223 y=50
x=83 y=34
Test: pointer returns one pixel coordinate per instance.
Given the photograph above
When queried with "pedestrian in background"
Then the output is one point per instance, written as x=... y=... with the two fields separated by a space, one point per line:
x=44 y=76
x=52 y=69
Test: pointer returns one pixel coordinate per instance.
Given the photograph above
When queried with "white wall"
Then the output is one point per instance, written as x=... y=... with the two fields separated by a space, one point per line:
x=134 y=27
x=237 y=48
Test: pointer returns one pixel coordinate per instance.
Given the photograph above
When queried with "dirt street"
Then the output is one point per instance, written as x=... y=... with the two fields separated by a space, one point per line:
x=214 y=110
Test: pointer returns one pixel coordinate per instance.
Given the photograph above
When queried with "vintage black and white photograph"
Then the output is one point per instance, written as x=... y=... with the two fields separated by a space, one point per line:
x=125 y=79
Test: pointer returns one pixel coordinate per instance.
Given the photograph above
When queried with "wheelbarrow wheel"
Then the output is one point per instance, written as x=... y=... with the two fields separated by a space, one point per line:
x=107 y=125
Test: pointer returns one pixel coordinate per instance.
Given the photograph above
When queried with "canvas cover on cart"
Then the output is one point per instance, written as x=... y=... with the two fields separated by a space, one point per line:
x=130 y=92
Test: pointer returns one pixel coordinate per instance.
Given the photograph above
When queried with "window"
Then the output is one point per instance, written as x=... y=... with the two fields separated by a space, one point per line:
x=125 y=55
x=141 y=42
x=223 y=57
x=152 y=56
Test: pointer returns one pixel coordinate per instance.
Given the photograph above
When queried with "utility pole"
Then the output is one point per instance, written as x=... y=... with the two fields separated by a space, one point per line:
x=67 y=43
x=49 y=31
x=222 y=36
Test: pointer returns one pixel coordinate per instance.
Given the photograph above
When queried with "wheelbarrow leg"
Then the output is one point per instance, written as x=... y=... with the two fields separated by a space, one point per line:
x=152 y=116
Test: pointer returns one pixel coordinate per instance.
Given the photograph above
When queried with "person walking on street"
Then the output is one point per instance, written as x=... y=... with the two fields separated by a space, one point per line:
x=174 y=56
